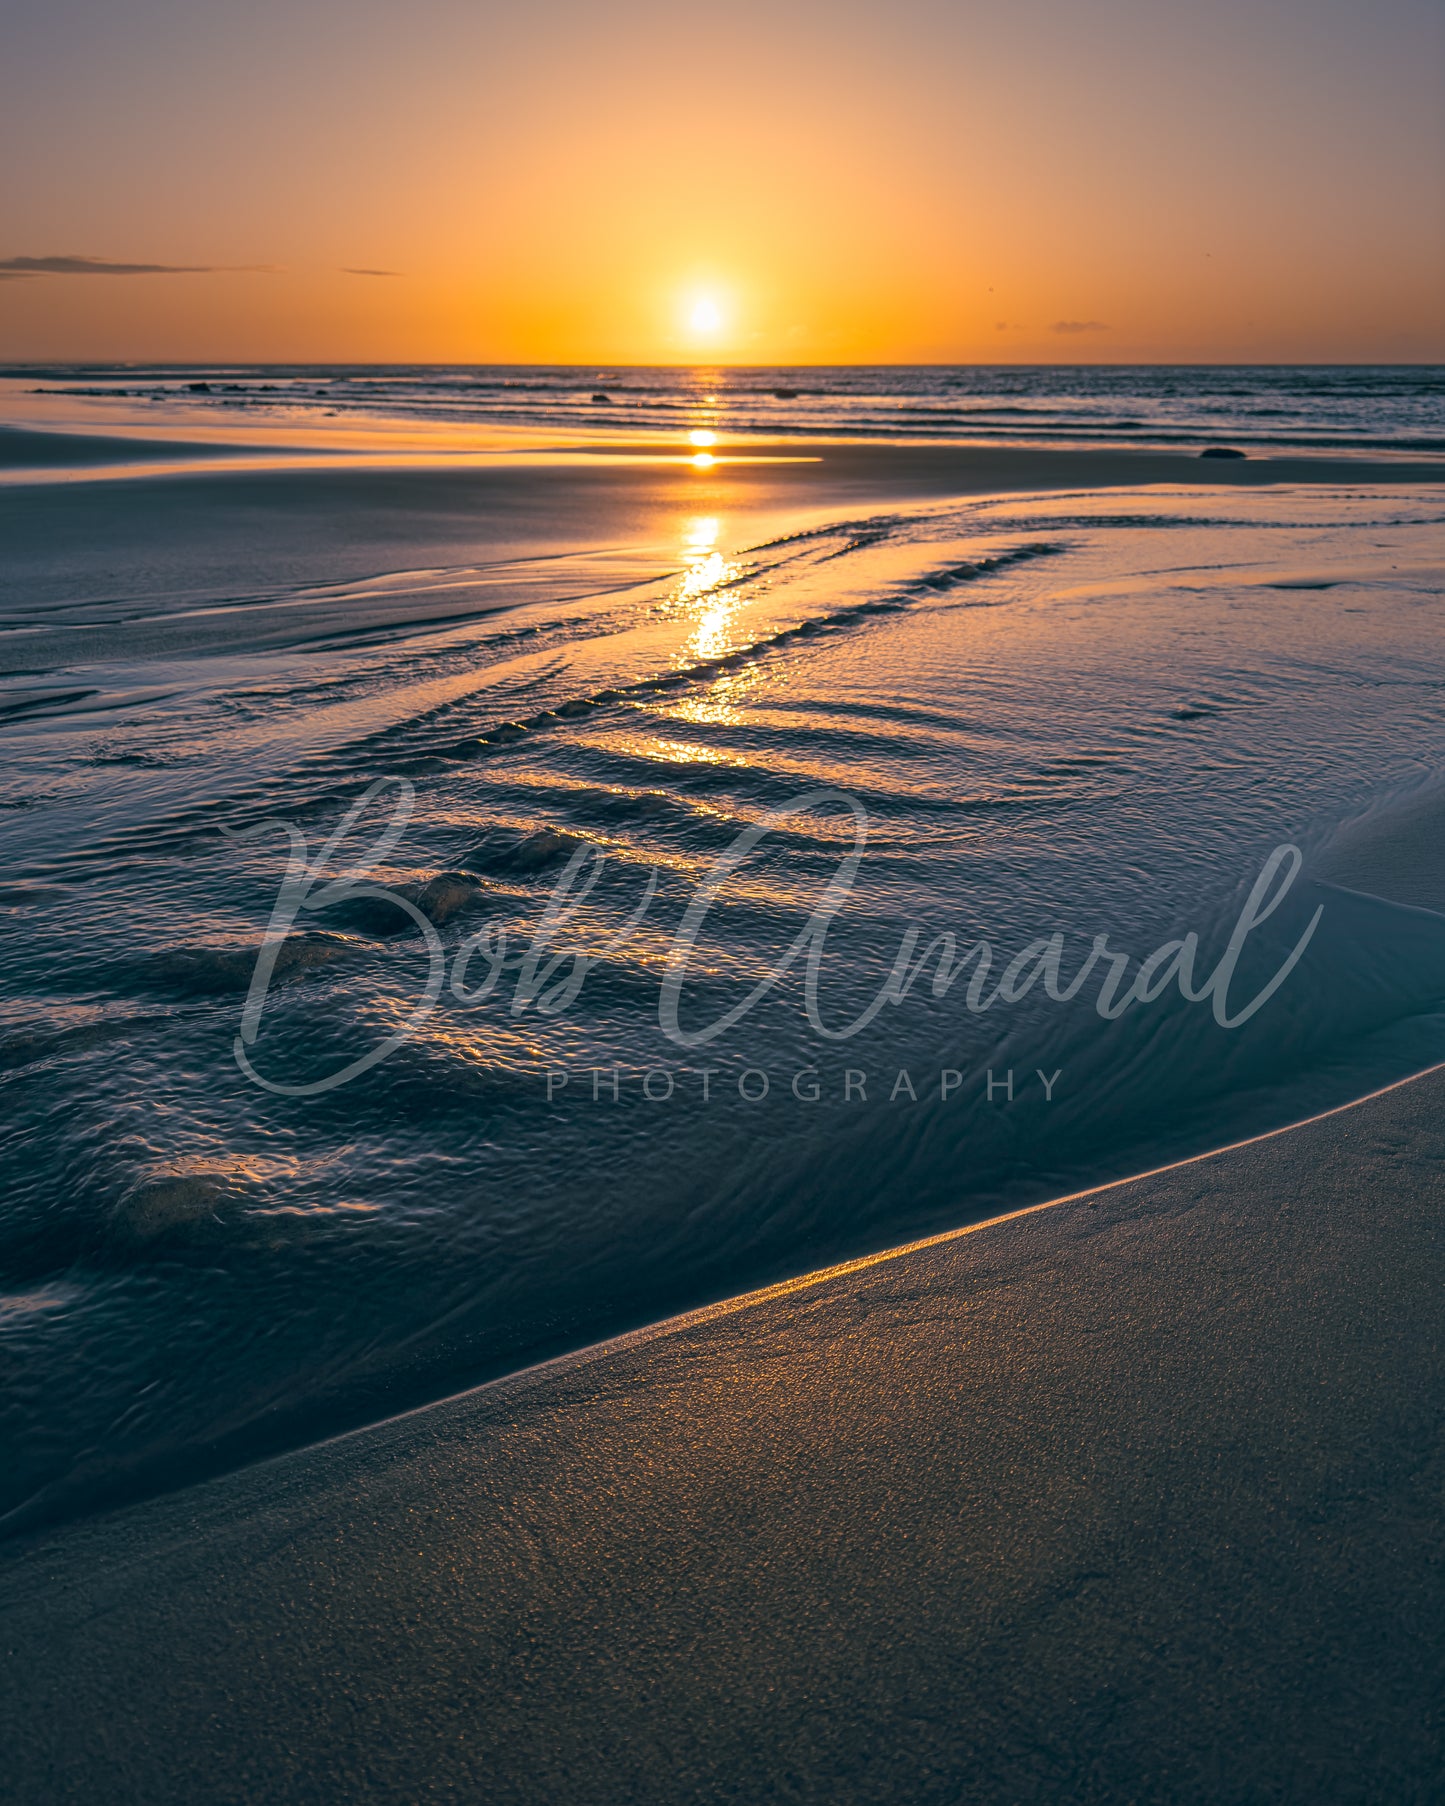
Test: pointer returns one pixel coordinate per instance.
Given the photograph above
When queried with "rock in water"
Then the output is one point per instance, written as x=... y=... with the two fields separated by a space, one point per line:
x=1220 y=451
x=533 y=852
x=202 y=971
x=179 y=1204
x=442 y=897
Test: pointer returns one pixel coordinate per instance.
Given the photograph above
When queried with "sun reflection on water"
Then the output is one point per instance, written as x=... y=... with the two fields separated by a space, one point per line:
x=707 y=570
x=704 y=574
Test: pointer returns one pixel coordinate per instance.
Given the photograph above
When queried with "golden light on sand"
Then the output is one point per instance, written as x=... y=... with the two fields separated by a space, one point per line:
x=704 y=574
x=714 y=635
x=702 y=460
x=701 y=435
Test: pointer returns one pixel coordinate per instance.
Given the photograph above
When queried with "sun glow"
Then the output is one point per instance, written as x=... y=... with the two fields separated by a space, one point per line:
x=705 y=317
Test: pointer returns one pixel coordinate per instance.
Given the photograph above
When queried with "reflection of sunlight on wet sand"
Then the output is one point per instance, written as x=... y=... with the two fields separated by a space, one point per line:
x=712 y=638
x=721 y=707
x=660 y=748
x=705 y=572
x=687 y=752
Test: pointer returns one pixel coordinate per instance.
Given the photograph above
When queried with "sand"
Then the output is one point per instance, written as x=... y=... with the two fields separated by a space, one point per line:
x=1135 y=1497
x=180 y=558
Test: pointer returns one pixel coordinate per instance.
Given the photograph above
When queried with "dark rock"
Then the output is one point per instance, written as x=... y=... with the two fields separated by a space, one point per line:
x=179 y=1204
x=199 y=388
x=599 y=396
x=204 y=971
x=530 y=853
x=441 y=898
x=1220 y=451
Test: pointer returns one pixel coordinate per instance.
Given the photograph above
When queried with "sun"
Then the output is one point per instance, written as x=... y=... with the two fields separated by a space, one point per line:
x=705 y=317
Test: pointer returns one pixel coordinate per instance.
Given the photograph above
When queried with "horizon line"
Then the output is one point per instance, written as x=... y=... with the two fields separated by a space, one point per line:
x=602 y=365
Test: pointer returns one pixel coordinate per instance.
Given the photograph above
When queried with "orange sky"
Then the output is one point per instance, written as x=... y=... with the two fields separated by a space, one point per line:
x=918 y=181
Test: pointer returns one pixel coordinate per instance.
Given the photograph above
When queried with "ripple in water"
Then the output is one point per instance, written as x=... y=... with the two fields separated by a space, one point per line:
x=1060 y=715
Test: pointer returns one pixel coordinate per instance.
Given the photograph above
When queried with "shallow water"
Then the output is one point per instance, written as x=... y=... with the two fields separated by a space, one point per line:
x=1091 y=713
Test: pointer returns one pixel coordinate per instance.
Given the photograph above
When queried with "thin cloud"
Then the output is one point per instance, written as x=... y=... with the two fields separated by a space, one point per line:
x=1078 y=326
x=13 y=268
x=350 y=272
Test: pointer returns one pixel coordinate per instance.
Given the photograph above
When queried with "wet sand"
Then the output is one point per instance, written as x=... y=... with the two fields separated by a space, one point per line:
x=179 y=557
x=1132 y=1497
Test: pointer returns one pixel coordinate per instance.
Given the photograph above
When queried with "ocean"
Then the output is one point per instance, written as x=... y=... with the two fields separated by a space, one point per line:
x=457 y=910
x=1379 y=409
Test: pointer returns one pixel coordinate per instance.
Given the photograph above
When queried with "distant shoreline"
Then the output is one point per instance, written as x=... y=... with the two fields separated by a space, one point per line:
x=926 y=467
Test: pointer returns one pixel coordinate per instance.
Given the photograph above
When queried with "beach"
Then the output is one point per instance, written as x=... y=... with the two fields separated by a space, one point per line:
x=1132 y=1497
x=576 y=1011
x=722 y=905
x=990 y=696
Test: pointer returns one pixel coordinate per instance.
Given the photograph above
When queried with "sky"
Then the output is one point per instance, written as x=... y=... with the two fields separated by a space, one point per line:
x=605 y=181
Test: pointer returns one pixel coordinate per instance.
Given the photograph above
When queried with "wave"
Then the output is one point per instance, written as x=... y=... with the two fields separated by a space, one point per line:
x=1367 y=409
